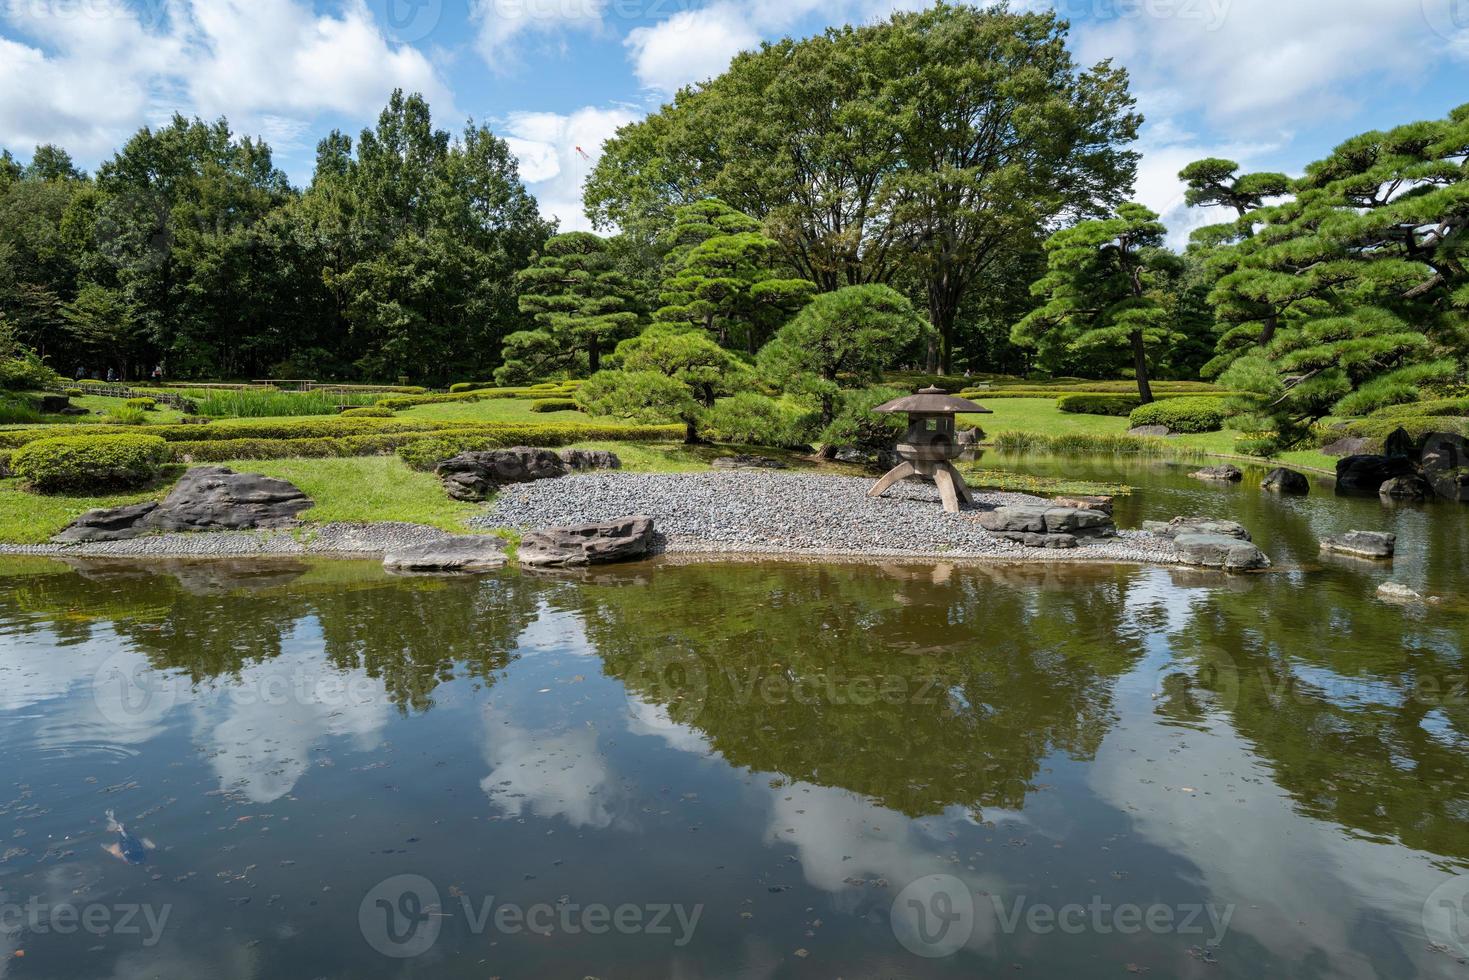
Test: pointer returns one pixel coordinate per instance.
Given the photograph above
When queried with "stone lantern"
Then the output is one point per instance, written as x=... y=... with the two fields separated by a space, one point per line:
x=930 y=443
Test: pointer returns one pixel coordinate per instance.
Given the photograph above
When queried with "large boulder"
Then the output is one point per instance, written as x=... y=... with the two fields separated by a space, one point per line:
x=215 y=498
x=1089 y=502
x=1445 y=463
x=1406 y=488
x=206 y=498
x=1347 y=446
x=1377 y=545
x=1366 y=474
x=588 y=544
x=1225 y=473
x=1041 y=519
x=1152 y=431
x=1286 y=481
x=474 y=476
x=1055 y=542
x=55 y=404
x=457 y=553
x=1197 y=525
x=108 y=524
x=580 y=460
x=1219 y=551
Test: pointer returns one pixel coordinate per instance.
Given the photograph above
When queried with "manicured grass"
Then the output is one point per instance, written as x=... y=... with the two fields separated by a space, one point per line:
x=490 y=410
x=31 y=518
x=161 y=415
x=366 y=488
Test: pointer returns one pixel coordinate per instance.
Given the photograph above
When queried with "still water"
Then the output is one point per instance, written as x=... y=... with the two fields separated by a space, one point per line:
x=746 y=769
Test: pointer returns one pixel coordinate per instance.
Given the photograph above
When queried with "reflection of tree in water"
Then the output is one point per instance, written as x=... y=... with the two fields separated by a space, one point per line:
x=212 y=619
x=1361 y=712
x=920 y=688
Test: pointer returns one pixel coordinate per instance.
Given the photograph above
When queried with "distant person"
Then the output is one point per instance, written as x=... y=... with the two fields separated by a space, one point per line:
x=158 y=374
x=111 y=376
x=81 y=372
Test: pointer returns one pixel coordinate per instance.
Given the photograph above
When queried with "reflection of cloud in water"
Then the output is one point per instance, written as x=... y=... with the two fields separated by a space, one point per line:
x=262 y=726
x=1294 y=880
x=653 y=719
x=555 y=631
x=840 y=836
x=561 y=775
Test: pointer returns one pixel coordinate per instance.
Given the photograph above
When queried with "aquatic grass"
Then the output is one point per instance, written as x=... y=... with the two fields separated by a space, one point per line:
x=1091 y=444
x=259 y=404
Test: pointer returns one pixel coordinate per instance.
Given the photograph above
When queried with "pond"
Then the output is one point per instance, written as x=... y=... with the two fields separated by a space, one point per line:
x=746 y=769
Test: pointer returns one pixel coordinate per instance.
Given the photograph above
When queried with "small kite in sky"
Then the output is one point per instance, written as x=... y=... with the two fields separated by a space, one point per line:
x=582 y=153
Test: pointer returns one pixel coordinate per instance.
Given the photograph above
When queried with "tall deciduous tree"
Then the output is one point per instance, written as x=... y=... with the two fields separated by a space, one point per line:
x=930 y=143
x=1105 y=287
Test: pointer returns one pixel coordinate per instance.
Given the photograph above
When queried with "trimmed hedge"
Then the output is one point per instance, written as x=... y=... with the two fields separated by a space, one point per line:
x=428 y=452
x=369 y=412
x=90 y=462
x=142 y=404
x=409 y=401
x=1416 y=426
x=554 y=405
x=1117 y=406
x=1182 y=414
x=310 y=427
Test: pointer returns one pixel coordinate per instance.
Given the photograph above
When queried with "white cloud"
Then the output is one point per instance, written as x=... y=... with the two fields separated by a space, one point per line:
x=546 y=145
x=499 y=22
x=97 y=72
x=690 y=46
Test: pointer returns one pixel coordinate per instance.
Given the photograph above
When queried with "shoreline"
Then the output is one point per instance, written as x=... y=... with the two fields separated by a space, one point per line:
x=356 y=541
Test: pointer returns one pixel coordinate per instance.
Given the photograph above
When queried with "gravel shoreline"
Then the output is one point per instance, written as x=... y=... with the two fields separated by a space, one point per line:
x=746 y=513
x=780 y=513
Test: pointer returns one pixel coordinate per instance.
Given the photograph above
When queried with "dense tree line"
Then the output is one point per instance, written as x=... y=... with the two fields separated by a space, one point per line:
x=190 y=249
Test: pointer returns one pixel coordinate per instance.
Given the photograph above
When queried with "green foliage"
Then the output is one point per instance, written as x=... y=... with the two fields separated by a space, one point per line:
x=1425 y=409
x=142 y=404
x=752 y=419
x=268 y=403
x=1106 y=286
x=1416 y=426
x=1088 y=404
x=368 y=412
x=582 y=304
x=690 y=358
x=1183 y=414
x=89 y=462
x=554 y=405
x=127 y=415
x=426 y=452
x=858 y=426
x=1082 y=444
x=855 y=332
x=17 y=409
x=21 y=369
x=642 y=396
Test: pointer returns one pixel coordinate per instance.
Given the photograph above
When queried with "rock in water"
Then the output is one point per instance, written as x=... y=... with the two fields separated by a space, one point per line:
x=581 y=460
x=1227 y=473
x=110 y=524
x=744 y=461
x=1197 y=525
x=1152 y=431
x=1406 y=488
x=459 y=553
x=1219 y=551
x=473 y=476
x=215 y=498
x=1367 y=474
x=1402 y=594
x=1376 y=545
x=1286 y=481
x=588 y=544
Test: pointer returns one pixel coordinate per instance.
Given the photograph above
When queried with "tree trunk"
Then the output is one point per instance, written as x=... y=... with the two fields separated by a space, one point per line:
x=594 y=355
x=942 y=315
x=1140 y=365
x=1267 y=334
x=691 y=433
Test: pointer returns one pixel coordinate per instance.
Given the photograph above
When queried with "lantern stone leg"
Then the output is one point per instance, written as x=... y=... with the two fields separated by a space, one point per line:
x=929 y=444
x=900 y=472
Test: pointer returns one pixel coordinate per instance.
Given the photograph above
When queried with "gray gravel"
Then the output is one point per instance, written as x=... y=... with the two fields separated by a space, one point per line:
x=782 y=513
x=325 y=539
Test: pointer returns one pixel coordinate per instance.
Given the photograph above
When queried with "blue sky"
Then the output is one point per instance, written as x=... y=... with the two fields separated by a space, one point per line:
x=1272 y=83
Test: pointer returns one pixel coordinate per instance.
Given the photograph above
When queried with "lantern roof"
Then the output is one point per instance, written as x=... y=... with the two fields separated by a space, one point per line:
x=933 y=401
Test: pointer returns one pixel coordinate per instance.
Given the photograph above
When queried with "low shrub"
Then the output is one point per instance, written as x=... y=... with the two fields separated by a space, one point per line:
x=127 y=415
x=398 y=402
x=368 y=412
x=142 y=404
x=753 y=419
x=1182 y=414
x=429 y=451
x=857 y=425
x=554 y=405
x=1117 y=406
x=90 y=462
x=1425 y=409
x=1079 y=444
x=75 y=393
x=16 y=409
x=25 y=371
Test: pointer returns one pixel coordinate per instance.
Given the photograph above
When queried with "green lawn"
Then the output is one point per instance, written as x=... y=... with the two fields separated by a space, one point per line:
x=490 y=410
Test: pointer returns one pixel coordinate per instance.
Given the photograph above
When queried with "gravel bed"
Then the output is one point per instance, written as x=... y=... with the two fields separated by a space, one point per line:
x=752 y=511
x=325 y=539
